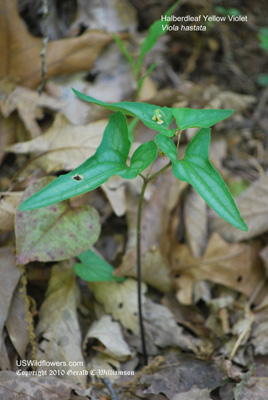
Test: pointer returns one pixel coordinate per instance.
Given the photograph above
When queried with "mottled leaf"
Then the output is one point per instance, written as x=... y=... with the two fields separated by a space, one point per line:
x=55 y=232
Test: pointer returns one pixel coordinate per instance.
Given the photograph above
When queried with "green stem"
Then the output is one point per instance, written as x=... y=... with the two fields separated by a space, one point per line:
x=160 y=171
x=146 y=180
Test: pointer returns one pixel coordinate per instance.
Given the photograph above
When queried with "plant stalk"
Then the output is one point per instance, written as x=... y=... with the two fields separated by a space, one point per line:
x=139 y=274
x=146 y=180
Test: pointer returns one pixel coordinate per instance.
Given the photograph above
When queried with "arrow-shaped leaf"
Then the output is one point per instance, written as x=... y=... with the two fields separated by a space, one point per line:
x=109 y=159
x=196 y=169
x=193 y=118
x=144 y=111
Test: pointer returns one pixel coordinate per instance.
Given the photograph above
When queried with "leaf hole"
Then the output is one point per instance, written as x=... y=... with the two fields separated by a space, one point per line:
x=78 y=177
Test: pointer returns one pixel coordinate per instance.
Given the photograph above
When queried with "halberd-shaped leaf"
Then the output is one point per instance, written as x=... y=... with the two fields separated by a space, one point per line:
x=193 y=118
x=109 y=159
x=144 y=111
x=93 y=268
x=54 y=233
x=196 y=169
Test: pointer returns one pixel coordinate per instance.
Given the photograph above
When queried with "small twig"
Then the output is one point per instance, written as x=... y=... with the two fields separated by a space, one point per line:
x=44 y=47
x=110 y=387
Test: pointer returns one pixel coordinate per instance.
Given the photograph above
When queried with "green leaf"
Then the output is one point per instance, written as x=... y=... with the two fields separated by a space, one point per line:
x=263 y=36
x=109 y=159
x=56 y=232
x=94 y=269
x=196 y=169
x=263 y=80
x=192 y=118
x=147 y=73
x=155 y=31
x=145 y=112
x=124 y=51
x=143 y=156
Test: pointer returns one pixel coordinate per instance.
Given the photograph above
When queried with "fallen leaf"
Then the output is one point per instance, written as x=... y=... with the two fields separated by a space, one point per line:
x=233 y=265
x=114 y=189
x=108 y=15
x=109 y=334
x=120 y=299
x=10 y=276
x=237 y=101
x=102 y=366
x=162 y=329
x=181 y=373
x=8 y=133
x=64 y=146
x=27 y=103
x=58 y=323
x=56 y=232
x=33 y=387
x=200 y=394
x=154 y=269
x=255 y=388
x=253 y=205
x=264 y=257
x=8 y=208
x=16 y=323
x=195 y=217
x=155 y=233
x=64 y=56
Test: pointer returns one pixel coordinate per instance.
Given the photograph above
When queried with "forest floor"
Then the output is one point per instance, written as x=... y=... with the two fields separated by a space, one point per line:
x=204 y=288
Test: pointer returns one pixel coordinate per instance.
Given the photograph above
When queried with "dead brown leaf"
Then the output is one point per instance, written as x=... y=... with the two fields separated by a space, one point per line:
x=110 y=15
x=8 y=133
x=120 y=299
x=233 y=265
x=27 y=103
x=182 y=373
x=109 y=334
x=264 y=257
x=10 y=276
x=13 y=386
x=194 y=393
x=8 y=209
x=16 y=323
x=256 y=388
x=226 y=99
x=155 y=233
x=195 y=217
x=58 y=322
x=64 y=146
x=21 y=51
x=253 y=205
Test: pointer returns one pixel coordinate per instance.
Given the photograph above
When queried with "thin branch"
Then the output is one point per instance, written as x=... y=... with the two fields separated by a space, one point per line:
x=44 y=47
